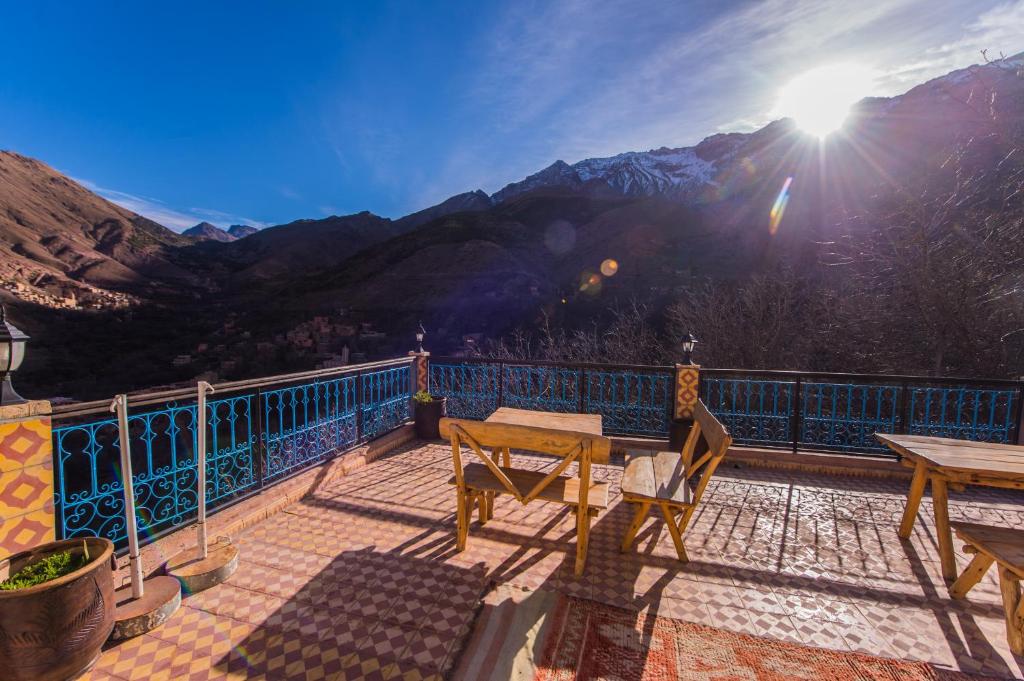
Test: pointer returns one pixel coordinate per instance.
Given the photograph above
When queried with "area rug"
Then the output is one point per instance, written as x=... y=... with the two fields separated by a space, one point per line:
x=545 y=636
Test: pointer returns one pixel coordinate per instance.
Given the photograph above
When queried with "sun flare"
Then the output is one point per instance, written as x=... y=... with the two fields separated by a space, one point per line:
x=820 y=99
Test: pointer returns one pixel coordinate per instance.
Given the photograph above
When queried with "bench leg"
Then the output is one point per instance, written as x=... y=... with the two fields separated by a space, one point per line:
x=940 y=500
x=971 y=575
x=673 y=528
x=488 y=506
x=463 y=513
x=917 y=485
x=481 y=506
x=582 y=539
x=1009 y=585
x=640 y=509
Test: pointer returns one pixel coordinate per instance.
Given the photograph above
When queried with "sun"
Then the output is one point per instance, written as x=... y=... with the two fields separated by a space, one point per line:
x=820 y=99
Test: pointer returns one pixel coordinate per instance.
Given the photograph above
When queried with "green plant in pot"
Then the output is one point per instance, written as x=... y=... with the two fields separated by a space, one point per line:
x=427 y=411
x=56 y=609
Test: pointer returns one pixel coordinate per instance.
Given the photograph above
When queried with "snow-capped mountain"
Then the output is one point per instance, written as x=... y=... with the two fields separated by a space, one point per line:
x=660 y=171
x=678 y=172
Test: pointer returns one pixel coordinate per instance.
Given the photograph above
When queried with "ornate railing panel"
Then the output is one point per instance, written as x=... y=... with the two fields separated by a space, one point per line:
x=90 y=495
x=543 y=388
x=845 y=416
x=842 y=412
x=756 y=412
x=471 y=387
x=258 y=432
x=964 y=412
x=305 y=424
x=385 y=400
x=231 y=443
x=631 y=402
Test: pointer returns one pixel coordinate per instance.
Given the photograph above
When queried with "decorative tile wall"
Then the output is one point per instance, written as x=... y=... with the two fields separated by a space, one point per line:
x=26 y=484
x=687 y=382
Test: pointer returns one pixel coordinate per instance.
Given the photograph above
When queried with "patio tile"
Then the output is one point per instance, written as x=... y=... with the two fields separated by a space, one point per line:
x=367 y=588
x=143 y=655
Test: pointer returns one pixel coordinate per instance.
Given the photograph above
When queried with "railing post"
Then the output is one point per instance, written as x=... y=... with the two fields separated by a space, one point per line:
x=259 y=453
x=120 y=406
x=687 y=391
x=903 y=409
x=797 y=412
x=202 y=389
x=359 y=406
x=1019 y=434
x=420 y=371
x=579 y=389
x=501 y=385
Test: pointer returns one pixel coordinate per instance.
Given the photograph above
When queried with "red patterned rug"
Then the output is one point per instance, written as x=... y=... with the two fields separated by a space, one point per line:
x=589 y=640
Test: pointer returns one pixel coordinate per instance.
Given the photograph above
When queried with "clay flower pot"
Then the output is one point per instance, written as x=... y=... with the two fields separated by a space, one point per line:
x=427 y=417
x=54 y=631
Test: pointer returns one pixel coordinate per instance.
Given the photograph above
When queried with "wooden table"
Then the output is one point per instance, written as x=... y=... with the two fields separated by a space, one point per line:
x=942 y=461
x=570 y=437
x=588 y=424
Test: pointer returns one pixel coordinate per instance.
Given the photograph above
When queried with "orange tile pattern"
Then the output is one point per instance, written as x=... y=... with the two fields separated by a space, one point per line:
x=26 y=485
x=687 y=386
x=422 y=371
x=361 y=579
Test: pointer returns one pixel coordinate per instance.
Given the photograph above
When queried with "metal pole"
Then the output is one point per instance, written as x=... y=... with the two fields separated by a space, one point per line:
x=203 y=388
x=120 y=405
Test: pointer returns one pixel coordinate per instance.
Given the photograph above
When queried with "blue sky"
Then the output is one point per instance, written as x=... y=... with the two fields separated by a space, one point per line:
x=268 y=112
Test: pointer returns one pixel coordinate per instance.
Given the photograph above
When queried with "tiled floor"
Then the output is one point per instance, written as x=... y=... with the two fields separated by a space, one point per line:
x=361 y=580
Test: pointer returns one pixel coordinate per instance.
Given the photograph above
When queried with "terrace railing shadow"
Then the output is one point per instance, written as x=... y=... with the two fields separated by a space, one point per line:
x=359 y=578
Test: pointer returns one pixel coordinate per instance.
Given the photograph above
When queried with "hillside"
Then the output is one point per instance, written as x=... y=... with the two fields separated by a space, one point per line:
x=670 y=219
x=60 y=241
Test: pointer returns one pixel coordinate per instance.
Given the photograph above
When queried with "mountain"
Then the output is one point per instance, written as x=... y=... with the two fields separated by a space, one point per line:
x=475 y=263
x=691 y=173
x=61 y=244
x=302 y=246
x=670 y=217
x=241 y=231
x=460 y=203
x=205 y=231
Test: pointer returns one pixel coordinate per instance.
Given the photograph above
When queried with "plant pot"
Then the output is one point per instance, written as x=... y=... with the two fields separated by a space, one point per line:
x=54 y=631
x=427 y=417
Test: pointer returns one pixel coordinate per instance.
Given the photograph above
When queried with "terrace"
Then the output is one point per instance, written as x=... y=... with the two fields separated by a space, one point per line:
x=349 y=568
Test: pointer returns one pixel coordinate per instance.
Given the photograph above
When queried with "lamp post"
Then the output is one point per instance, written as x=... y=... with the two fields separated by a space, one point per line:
x=12 y=352
x=420 y=333
x=688 y=342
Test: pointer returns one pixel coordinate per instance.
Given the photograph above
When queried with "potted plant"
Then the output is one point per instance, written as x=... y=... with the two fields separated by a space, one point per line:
x=56 y=609
x=427 y=411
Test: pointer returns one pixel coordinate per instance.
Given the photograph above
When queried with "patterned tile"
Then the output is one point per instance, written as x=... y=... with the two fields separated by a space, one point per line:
x=347 y=584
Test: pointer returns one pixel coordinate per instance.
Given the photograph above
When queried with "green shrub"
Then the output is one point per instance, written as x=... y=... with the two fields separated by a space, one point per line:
x=51 y=567
x=423 y=397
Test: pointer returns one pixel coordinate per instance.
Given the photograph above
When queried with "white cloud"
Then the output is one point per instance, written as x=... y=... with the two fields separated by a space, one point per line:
x=997 y=30
x=158 y=211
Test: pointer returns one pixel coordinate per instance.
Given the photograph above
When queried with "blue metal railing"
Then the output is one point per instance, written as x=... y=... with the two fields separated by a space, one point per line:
x=259 y=433
x=633 y=400
x=780 y=409
x=842 y=412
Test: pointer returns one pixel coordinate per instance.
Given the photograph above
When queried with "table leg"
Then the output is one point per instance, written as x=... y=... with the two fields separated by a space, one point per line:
x=917 y=485
x=940 y=500
x=1009 y=586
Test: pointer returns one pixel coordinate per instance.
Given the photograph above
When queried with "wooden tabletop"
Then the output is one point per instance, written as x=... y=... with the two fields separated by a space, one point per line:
x=589 y=424
x=981 y=458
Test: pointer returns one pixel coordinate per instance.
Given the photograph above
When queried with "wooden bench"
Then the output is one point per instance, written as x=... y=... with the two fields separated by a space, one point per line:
x=675 y=482
x=1005 y=547
x=478 y=483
